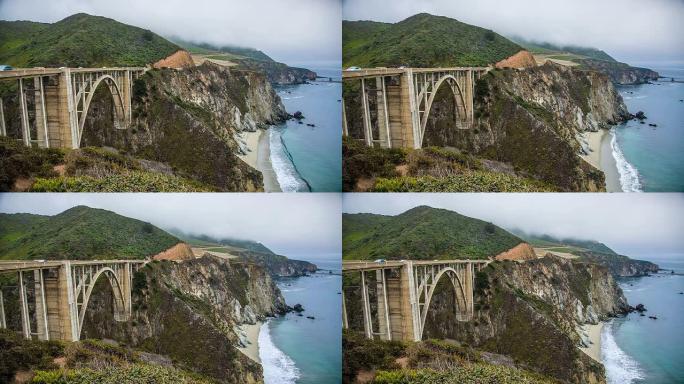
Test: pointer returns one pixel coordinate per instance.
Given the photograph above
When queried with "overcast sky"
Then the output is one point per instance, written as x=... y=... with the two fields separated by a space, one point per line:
x=629 y=30
x=291 y=31
x=645 y=225
x=296 y=225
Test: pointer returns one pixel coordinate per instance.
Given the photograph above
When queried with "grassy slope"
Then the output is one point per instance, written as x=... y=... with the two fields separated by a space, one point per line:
x=79 y=233
x=422 y=233
x=582 y=52
x=230 y=51
x=422 y=40
x=80 y=40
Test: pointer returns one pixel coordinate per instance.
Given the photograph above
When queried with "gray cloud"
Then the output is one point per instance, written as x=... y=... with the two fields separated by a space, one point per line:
x=647 y=225
x=296 y=225
x=630 y=30
x=288 y=31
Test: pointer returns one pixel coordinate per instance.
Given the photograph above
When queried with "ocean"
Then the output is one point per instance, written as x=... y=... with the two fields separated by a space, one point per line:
x=651 y=159
x=308 y=158
x=636 y=349
x=295 y=349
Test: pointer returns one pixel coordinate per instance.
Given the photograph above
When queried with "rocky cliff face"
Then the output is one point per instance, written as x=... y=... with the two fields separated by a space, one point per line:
x=189 y=119
x=532 y=119
x=179 y=59
x=522 y=59
x=619 y=265
x=180 y=251
x=278 y=265
x=279 y=73
x=621 y=73
x=188 y=311
x=531 y=312
x=522 y=251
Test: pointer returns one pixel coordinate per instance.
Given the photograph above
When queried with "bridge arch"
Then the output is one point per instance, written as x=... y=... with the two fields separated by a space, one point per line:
x=88 y=90
x=426 y=103
x=460 y=295
x=84 y=295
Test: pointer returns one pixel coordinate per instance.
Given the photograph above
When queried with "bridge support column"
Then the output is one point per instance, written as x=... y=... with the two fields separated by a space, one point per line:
x=385 y=326
x=469 y=90
x=367 y=321
x=367 y=128
x=68 y=119
x=3 y=128
x=67 y=310
x=3 y=320
x=409 y=112
x=408 y=304
x=23 y=111
x=345 y=319
x=345 y=128
x=383 y=114
x=41 y=113
x=41 y=308
x=23 y=303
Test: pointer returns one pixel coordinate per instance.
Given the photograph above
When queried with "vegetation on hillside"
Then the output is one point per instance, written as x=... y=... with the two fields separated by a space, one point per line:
x=422 y=233
x=232 y=51
x=80 y=233
x=431 y=169
x=426 y=362
x=422 y=40
x=80 y=40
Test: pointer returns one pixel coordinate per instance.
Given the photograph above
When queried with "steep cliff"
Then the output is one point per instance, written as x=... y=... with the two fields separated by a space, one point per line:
x=619 y=265
x=620 y=73
x=189 y=120
x=188 y=311
x=278 y=265
x=532 y=118
x=531 y=312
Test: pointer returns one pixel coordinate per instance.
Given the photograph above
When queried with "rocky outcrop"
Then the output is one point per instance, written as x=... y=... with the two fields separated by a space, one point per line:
x=619 y=265
x=188 y=311
x=180 y=251
x=522 y=251
x=522 y=59
x=179 y=59
x=532 y=119
x=279 y=73
x=190 y=119
x=531 y=311
x=621 y=73
x=278 y=265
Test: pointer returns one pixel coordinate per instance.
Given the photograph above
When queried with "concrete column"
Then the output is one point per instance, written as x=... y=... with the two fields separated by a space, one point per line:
x=3 y=320
x=409 y=112
x=409 y=309
x=469 y=96
x=25 y=129
x=41 y=113
x=3 y=128
x=67 y=310
x=69 y=133
x=126 y=288
x=23 y=303
x=383 y=116
x=385 y=327
x=41 y=308
x=367 y=322
x=345 y=129
x=367 y=129
x=345 y=321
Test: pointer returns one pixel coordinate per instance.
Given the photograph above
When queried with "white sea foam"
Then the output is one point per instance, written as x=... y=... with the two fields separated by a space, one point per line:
x=620 y=367
x=629 y=176
x=286 y=173
x=279 y=368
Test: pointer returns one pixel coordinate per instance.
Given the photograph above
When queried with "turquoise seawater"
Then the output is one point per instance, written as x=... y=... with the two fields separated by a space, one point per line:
x=300 y=350
x=310 y=158
x=651 y=159
x=636 y=349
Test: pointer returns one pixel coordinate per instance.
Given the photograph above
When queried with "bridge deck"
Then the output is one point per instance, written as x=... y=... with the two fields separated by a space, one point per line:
x=375 y=72
x=348 y=266
x=20 y=265
x=32 y=72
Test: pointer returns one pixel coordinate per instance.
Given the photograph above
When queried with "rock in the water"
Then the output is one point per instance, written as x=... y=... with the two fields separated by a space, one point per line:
x=640 y=115
x=298 y=308
x=298 y=115
x=311 y=317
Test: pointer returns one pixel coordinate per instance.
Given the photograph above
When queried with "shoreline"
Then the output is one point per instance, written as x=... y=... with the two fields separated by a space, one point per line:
x=259 y=157
x=601 y=157
x=591 y=335
x=249 y=336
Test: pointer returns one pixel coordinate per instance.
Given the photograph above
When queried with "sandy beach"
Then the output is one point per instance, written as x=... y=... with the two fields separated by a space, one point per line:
x=259 y=157
x=601 y=156
x=593 y=333
x=249 y=334
x=263 y=163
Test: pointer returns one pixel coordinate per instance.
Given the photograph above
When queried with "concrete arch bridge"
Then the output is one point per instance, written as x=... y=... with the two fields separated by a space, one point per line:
x=403 y=291
x=54 y=295
x=54 y=102
x=403 y=99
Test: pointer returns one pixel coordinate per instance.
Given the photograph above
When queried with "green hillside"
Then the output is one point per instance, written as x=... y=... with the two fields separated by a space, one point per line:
x=579 y=245
x=80 y=40
x=422 y=233
x=422 y=40
x=80 y=233
x=548 y=48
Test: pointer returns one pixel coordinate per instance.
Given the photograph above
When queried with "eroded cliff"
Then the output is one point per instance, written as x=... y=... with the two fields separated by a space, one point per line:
x=190 y=120
x=531 y=311
x=188 y=311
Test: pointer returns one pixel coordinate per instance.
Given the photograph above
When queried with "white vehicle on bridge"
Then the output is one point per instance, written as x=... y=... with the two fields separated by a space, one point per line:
x=353 y=69
x=6 y=67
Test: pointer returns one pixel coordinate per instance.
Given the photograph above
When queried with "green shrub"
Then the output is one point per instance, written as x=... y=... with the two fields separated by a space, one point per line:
x=17 y=160
x=17 y=353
